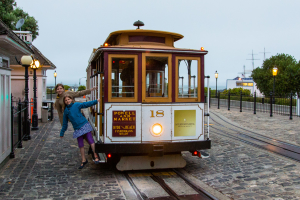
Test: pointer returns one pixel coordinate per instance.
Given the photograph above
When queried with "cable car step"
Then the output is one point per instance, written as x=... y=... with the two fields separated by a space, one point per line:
x=102 y=157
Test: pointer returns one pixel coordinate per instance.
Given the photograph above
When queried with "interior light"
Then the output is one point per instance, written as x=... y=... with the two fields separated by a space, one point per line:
x=157 y=129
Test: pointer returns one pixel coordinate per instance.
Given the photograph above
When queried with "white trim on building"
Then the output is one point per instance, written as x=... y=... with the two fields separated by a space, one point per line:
x=5 y=110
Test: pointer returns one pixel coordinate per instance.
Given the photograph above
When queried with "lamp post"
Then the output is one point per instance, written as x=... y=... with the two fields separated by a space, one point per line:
x=51 y=88
x=35 y=65
x=80 y=79
x=26 y=62
x=216 y=75
x=55 y=74
x=275 y=70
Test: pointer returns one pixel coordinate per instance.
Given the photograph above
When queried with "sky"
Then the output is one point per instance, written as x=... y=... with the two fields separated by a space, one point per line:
x=229 y=30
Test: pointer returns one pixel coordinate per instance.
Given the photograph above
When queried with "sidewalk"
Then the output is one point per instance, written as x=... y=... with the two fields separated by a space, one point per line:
x=278 y=126
x=47 y=168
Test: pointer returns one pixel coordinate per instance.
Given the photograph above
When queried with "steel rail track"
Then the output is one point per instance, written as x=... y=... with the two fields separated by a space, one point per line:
x=270 y=140
x=197 y=188
x=202 y=194
x=278 y=147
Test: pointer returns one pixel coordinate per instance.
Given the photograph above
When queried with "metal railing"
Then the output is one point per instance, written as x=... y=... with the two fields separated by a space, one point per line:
x=268 y=104
x=18 y=131
x=51 y=95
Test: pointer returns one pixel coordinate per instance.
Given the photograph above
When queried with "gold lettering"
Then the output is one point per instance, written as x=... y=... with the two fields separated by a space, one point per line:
x=152 y=111
x=160 y=113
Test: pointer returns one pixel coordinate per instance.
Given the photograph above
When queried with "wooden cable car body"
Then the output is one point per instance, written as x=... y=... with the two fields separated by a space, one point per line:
x=152 y=99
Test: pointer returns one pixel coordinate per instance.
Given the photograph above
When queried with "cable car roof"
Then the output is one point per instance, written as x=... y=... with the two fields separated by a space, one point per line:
x=113 y=35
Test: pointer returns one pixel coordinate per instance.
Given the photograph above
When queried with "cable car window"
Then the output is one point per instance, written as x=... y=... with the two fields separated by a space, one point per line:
x=122 y=77
x=156 y=76
x=187 y=78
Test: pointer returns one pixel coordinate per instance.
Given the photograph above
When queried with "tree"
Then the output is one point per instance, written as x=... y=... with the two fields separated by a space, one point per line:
x=11 y=16
x=66 y=87
x=30 y=23
x=6 y=12
x=50 y=90
x=81 y=87
x=287 y=79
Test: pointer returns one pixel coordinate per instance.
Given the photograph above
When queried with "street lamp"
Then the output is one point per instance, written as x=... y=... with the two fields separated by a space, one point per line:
x=80 y=79
x=34 y=65
x=216 y=75
x=26 y=62
x=275 y=70
x=55 y=74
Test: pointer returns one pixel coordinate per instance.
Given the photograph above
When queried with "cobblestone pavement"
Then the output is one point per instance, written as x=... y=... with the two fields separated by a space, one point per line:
x=46 y=168
x=278 y=126
x=244 y=172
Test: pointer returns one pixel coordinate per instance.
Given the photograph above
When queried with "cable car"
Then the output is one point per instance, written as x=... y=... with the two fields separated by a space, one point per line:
x=152 y=99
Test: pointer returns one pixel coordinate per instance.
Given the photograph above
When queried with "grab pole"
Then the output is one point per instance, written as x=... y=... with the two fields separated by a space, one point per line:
x=208 y=77
x=98 y=108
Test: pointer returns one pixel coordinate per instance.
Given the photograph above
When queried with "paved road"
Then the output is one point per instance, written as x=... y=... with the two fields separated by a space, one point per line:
x=244 y=172
x=46 y=168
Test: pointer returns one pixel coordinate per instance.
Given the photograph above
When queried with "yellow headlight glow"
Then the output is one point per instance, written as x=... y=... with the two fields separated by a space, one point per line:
x=157 y=129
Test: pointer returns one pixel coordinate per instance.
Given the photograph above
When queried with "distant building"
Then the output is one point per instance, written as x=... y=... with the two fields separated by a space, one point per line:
x=245 y=83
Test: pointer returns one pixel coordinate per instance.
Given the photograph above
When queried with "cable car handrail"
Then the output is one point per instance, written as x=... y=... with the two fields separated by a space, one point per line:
x=122 y=86
x=208 y=77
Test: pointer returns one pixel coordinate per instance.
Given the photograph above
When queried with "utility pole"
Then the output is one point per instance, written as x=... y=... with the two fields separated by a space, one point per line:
x=264 y=53
x=252 y=59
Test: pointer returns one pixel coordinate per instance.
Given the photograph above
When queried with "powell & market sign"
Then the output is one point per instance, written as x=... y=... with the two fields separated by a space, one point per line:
x=124 y=123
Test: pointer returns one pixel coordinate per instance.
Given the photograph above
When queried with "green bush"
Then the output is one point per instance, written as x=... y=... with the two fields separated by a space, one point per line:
x=81 y=87
x=237 y=91
x=49 y=91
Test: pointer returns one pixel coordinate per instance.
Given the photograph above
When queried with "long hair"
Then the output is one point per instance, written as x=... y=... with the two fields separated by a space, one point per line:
x=68 y=97
x=59 y=84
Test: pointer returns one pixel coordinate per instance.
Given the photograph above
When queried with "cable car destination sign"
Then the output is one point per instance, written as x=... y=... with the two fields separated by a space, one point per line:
x=124 y=123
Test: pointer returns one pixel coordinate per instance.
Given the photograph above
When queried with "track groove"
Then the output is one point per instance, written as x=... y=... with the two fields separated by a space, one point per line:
x=198 y=192
x=250 y=137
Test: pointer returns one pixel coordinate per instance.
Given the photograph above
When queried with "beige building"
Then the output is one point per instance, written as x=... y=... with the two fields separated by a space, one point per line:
x=18 y=79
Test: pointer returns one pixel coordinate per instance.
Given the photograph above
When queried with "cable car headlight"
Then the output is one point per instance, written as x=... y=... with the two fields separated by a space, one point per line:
x=157 y=129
